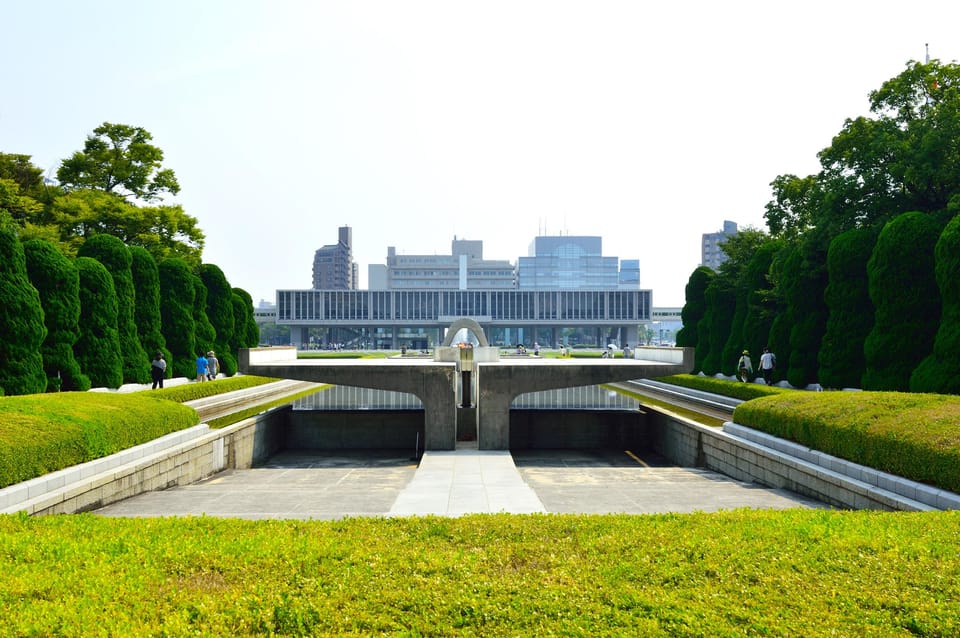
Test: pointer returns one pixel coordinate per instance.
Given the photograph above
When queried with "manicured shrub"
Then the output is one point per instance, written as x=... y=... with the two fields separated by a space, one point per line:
x=98 y=349
x=841 y=358
x=49 y=432
x=715 y=326
x=114 y=255
x=694 y=308
x=22 y=330
x=760 y=310
x=910 y=435
x=940 y=371
x=146 y=310
x=206 y=334
x=804 y=280
x=58 y=283
x=904 y=292
x=779 y=338
x=219 y=310
x=177 y=295
x=247 y=332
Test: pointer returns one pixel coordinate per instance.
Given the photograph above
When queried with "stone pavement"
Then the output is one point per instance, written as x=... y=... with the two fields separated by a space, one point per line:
x=330 y=485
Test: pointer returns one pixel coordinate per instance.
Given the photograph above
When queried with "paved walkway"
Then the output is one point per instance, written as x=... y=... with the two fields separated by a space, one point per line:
x=300 y=485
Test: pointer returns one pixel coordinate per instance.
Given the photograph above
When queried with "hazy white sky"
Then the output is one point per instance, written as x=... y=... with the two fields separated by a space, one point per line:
x=414 y=122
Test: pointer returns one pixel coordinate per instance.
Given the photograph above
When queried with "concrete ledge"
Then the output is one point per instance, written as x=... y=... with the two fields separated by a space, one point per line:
x=692 y=444
x=929 y=495
x=179 y=458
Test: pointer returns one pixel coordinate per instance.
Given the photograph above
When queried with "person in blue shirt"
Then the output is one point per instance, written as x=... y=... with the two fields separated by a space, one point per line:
x=202 y=367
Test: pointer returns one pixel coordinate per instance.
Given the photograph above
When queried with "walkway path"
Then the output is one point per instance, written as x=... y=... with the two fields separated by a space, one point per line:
x=332 y=486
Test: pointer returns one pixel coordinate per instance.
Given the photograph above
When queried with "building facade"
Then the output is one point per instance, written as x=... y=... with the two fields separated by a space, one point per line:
x=711 y=254
x=568 y=262
x=333 y=265
x=391 y=319
x=463 y=269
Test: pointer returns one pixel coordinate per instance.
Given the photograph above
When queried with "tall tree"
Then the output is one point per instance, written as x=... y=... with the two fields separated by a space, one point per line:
x=760 y=311
x=220 y=312
x=120 y=159
x=206 y=334
x=246 y=331
x=115 y=256
x=146 y=311
x=904 y=292
x=177 y=297
x=694 y=308
x=851 y=314
x=58 y=283
x=940 y=371
x=22 y=330
x=98 y=349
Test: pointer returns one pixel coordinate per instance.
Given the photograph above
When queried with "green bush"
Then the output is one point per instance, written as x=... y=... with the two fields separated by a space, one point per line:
x=176 y=313
x=146 y=309
x=115 y=257
x=694 y=308
x=58 y=283
x=940 y=371
x=190 y=391
x=916 y=436
x=98 y=349
x=219 y=309
x=851 y=312
x=904 y=292
x=734 y=389
x=43 y=433
x=22 y=330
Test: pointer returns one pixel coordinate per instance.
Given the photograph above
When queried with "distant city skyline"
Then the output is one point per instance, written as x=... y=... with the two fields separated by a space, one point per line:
x=412 y=123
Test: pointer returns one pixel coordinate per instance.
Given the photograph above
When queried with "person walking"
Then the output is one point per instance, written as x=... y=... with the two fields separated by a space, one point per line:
x=213 y=366
x=158 y=370
x=744 y=367
x=201 y=368
x=768 y=361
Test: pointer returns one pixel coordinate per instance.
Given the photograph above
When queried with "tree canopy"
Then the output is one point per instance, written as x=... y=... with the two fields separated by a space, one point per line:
x=119 y=159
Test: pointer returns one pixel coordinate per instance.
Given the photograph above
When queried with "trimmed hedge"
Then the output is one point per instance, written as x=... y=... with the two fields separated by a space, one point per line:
x=916 y=436
x=190 y=391
x=734 y=389
x=43 y=433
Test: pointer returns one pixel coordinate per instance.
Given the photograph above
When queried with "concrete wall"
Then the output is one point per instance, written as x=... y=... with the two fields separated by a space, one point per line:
x=367 y=429
x=571 y=429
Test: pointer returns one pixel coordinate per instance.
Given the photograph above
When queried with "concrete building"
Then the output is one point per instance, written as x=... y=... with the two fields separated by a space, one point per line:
x=568 y=262
x=711 y=255
x=333 y=265
x=463 y=269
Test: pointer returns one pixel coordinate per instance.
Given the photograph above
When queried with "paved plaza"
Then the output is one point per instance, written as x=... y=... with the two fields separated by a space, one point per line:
x=330 y=485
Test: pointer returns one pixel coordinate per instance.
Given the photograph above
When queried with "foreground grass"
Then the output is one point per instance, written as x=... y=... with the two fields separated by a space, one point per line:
x=789 y=573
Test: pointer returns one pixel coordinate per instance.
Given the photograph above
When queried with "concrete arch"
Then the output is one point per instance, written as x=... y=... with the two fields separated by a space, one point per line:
x=470 y=325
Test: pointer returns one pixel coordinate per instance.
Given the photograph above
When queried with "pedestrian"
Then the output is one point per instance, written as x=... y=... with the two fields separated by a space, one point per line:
x=744 y=367
x=213 y=366
x=158 y=370
x=202 y=367
x=768 y=361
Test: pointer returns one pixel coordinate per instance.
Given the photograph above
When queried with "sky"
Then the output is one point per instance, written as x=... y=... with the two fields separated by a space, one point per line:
x=414 y=123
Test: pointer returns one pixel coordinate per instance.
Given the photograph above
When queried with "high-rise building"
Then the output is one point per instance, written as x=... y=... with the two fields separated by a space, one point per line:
x=463 y=269
x=568 y=262
x=711 y=255
x=333 y=265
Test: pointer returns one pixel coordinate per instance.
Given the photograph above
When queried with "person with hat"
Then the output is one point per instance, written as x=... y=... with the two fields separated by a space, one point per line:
x=744 y=366
x=213 y=366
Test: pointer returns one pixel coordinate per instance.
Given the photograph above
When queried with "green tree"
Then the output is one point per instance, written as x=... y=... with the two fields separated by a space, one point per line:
x=164 y=231
x=760 y=311
x=940 y=371
x=146 y=311
x=851 y=313
x=246 y=332
x=740 y=250
x=220 y=312
x=98 y=349
x=58 y=283
x=694 y=308
x=206 y=334
x=779 y=338
x=115 y=256
x=22 y=330
x=119 y=159
x=177 y=297
x=904 y=292
x=721 y=302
